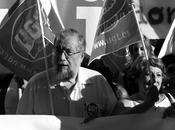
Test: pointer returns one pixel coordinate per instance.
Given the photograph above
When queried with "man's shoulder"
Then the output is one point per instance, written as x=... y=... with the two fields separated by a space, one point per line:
x=89 y=76
x=90 y=72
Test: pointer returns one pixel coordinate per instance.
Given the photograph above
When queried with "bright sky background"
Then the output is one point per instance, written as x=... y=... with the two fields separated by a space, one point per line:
x=4 y=6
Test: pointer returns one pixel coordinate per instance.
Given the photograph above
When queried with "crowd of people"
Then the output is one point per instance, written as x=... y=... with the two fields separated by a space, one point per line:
x=74 y=88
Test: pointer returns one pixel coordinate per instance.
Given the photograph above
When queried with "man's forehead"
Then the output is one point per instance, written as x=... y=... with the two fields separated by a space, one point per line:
x=70 y=41
x=155 y=69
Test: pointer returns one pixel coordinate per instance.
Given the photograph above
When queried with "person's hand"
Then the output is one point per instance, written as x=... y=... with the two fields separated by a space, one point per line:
x=88 y=119
x=152 y=95
x=169 y=112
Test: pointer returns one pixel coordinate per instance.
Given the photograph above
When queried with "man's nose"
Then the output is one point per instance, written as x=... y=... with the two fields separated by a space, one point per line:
x=62 y=55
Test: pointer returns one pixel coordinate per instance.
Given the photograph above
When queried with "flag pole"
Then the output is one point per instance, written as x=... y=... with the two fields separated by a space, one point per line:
x=45 y=56
x=141 y=35
x=142 y=40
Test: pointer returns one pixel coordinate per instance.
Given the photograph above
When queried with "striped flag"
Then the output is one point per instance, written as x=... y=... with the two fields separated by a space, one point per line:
x=21 y=48
x=168 y=46
x=117 y=28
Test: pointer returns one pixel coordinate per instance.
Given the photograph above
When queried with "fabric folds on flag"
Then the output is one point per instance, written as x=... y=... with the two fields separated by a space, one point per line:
x=21 y=48
x=117 y=28
x=168 y=46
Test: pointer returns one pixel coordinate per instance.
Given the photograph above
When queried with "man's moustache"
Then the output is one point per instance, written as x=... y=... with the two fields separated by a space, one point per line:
x=62 y=63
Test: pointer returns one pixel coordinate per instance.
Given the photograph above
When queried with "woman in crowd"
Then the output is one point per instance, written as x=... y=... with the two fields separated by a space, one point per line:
x=134 y=51
x=147 y=73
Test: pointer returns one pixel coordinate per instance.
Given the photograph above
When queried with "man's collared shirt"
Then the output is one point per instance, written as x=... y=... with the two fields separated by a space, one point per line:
x=91 y=94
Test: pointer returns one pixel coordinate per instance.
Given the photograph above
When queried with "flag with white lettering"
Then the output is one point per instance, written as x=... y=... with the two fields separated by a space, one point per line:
x=21 y=48
x=117 y=28
x=168 y=46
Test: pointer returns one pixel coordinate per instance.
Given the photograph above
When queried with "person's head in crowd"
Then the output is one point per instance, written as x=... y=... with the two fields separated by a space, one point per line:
x=137 y=49
x=69 y=53
x=148 y=72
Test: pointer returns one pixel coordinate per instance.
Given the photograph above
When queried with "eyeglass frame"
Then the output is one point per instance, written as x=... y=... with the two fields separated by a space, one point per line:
x=68 y=54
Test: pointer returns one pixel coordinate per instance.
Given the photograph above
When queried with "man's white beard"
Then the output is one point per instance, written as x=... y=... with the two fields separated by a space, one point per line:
x=64 y=73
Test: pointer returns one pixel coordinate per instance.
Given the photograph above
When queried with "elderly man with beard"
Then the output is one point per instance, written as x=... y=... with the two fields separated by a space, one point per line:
x=70 y=90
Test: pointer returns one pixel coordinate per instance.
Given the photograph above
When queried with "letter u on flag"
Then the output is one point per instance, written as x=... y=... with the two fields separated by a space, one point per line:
x=21 y=48
x=117 y=28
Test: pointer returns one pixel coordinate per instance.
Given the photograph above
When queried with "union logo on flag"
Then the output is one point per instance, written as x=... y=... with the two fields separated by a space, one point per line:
x=26 y=39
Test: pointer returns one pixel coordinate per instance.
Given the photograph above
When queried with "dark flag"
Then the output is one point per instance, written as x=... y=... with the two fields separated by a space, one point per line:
x=117 y=28
x=21 y=48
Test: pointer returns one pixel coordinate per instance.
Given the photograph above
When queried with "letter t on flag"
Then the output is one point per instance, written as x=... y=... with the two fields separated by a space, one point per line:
x=117 y=28
x=21 y=48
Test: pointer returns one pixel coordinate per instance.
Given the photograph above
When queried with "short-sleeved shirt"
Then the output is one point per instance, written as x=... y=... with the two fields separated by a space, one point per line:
x=90 y=94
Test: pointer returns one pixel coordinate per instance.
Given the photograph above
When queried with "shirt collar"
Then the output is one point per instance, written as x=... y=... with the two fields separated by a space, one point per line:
x=83 y=77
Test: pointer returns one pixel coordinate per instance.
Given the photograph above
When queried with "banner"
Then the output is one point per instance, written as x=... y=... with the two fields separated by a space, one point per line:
x=146 y=121
x=117 y=28
x=168 y=46
x=155 y=16
x=142 y=18
x=21 y=48
x=158 y=13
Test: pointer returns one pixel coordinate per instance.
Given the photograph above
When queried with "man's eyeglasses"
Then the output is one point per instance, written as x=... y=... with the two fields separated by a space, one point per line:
x=67 y=53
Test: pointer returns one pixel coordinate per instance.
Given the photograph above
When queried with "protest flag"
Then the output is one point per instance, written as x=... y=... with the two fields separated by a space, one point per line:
x=21 y=48
x=117 y=28
x=168 y=46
